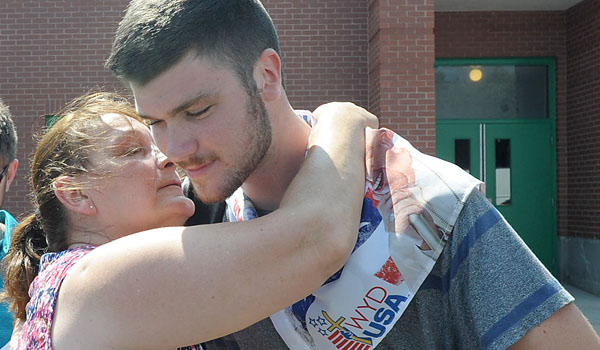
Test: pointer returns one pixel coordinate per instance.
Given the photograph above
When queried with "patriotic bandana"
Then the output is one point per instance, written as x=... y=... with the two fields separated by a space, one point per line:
x=395 y=251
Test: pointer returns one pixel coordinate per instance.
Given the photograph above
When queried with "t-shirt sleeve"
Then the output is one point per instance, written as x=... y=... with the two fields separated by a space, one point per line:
x=498 y=290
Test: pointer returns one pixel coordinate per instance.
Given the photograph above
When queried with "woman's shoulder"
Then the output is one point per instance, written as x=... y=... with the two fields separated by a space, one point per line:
x=43 y=291
x=55 y=265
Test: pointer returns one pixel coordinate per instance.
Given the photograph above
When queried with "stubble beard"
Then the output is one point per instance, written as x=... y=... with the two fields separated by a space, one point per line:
x=255 y=146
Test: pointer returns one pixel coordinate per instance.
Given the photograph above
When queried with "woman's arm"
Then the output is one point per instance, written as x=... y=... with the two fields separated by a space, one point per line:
x=178 y=286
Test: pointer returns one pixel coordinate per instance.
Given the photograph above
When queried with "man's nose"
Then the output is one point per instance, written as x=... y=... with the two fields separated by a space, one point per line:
x=180 y=143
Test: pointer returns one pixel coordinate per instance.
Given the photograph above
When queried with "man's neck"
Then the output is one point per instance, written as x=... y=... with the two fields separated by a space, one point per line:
x=268 y=183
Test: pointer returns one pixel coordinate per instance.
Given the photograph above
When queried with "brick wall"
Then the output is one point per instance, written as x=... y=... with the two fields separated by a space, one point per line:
x=583 y=124
x=401 y=74
x=50 y=52
x=324 y=49
x=516 y=34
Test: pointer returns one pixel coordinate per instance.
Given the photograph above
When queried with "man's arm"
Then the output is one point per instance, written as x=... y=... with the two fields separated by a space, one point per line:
x=565 y=329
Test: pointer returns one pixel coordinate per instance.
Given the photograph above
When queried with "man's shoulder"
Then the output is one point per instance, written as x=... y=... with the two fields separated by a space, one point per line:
x=204 y=213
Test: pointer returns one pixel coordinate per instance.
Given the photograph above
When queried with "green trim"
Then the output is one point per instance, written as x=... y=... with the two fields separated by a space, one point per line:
x=493 y=121
x=495 y=61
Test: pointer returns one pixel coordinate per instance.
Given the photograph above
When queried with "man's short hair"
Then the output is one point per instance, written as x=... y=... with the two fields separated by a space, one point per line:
x=8 y=135
x=155 y=34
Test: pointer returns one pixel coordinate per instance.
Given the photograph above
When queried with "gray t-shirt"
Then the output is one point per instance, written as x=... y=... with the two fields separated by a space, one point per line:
x=486 y=291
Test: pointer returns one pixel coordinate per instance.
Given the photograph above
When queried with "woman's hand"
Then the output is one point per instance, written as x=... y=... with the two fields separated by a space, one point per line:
x=345 y=112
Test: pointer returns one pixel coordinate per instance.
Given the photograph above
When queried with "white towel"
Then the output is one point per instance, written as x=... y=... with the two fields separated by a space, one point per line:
x=394 y=253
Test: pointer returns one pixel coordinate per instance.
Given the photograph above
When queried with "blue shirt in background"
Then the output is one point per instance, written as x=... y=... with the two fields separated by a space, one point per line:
x=6 y=318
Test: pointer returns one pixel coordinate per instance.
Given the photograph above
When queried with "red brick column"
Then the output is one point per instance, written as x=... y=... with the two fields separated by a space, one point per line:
x=401 y=74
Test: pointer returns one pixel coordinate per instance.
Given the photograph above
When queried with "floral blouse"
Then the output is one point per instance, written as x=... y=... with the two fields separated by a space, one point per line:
x=43 y=292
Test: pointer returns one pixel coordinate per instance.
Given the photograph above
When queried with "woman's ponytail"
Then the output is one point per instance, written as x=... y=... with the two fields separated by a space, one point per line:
x=22 y=263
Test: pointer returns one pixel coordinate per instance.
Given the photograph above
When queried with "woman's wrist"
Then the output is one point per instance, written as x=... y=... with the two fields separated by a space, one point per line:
x=346 y=112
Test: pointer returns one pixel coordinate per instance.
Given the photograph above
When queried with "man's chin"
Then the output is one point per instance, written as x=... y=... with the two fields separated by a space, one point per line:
x=211 y=197
x=217 y=191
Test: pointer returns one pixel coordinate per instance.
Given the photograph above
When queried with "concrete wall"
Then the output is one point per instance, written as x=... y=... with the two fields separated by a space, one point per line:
x=579 y=260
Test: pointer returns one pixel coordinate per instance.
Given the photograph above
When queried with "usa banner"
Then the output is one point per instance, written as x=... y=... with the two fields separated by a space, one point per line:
x=411 y=204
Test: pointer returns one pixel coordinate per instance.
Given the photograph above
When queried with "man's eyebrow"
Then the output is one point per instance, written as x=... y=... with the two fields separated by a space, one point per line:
x=185 y=105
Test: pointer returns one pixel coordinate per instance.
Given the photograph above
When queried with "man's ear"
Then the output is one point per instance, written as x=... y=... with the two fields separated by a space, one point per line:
x=11 y=172
x=71 y=197
x=267 y=74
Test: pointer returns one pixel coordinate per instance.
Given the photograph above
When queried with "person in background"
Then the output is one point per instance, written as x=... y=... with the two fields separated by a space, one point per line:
x=8 y=170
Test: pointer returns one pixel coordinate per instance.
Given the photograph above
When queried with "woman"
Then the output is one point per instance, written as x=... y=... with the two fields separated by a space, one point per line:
x=98 y=178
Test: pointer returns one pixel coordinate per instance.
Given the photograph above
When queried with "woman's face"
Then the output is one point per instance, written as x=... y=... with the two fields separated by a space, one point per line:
x=137 y=187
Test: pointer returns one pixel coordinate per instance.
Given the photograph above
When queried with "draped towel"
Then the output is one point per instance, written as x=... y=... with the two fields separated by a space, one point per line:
x=395 y=251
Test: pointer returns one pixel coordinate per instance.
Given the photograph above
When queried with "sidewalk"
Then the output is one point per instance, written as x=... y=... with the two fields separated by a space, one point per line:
x=588 y=303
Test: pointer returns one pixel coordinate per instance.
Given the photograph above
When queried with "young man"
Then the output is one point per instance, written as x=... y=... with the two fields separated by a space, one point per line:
x=207 y=76
x=8 y=170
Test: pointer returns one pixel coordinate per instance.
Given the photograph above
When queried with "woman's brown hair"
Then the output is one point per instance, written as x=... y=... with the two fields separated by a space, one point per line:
x=63 y=150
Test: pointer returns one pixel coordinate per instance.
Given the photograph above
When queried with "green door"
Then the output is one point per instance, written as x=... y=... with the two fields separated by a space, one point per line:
x=516 y=162
x=496 y=119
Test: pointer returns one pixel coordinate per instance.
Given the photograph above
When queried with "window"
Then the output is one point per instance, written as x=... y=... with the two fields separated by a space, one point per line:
x=492 y=91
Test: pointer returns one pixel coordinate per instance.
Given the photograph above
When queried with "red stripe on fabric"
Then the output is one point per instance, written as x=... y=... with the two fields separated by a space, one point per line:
x=350 y=345
x=339 y=346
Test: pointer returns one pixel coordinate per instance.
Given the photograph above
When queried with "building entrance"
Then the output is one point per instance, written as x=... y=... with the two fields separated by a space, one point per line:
x=495 y=120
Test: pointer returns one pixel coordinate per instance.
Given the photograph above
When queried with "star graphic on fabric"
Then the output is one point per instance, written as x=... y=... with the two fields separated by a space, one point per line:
x=323 y=332
x=313 y=322
x=322 y=321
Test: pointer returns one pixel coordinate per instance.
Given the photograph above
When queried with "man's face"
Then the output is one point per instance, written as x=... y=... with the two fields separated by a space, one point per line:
x=205 y=121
